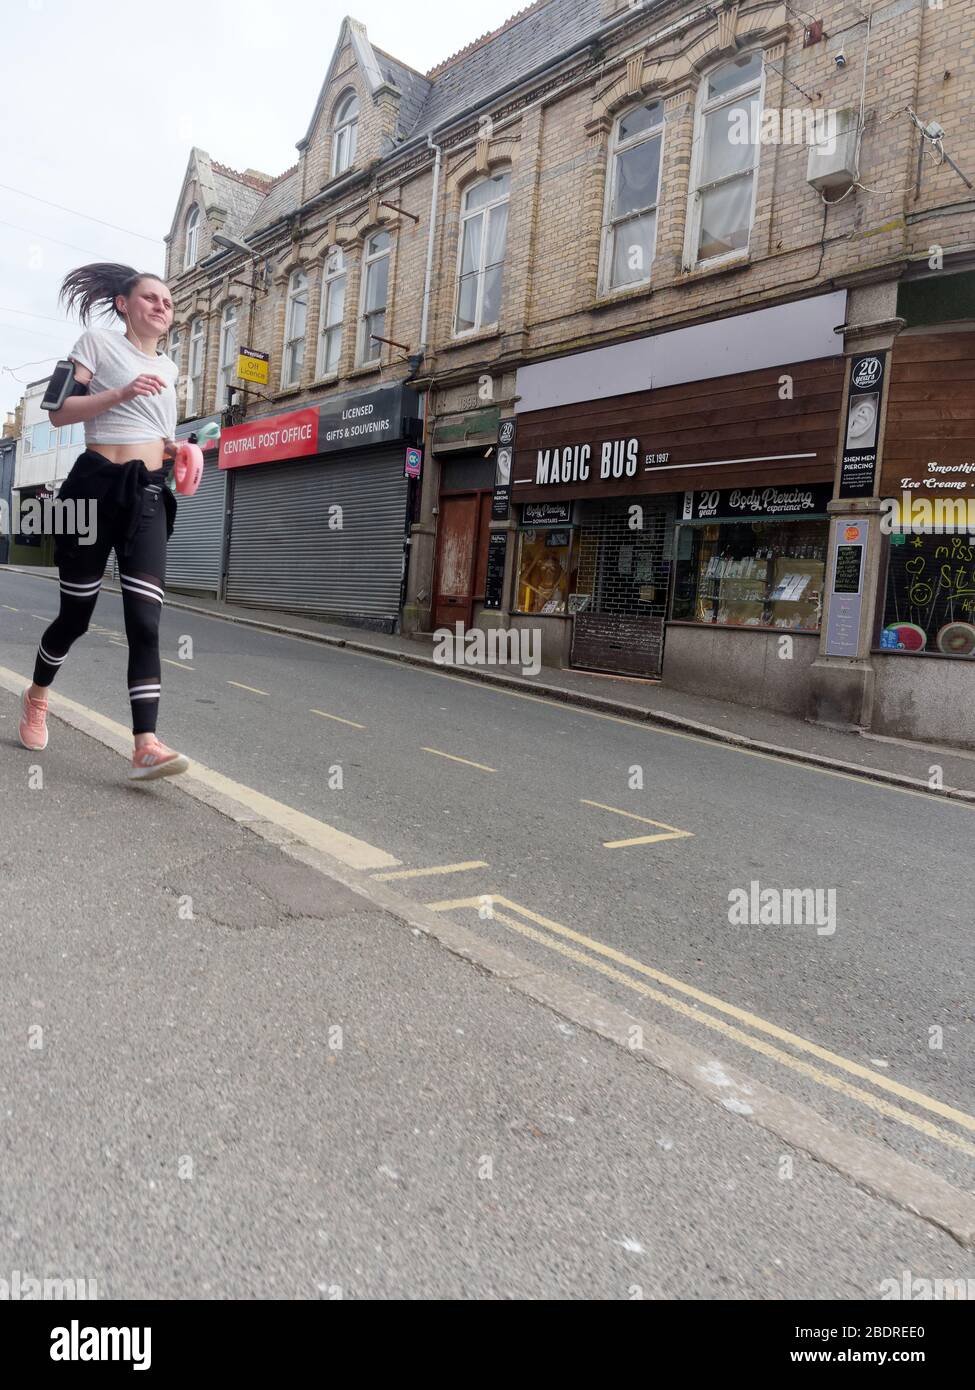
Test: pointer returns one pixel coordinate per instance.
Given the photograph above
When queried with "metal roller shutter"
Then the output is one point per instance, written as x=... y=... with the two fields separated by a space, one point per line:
x=195 y=553
x=283 y=554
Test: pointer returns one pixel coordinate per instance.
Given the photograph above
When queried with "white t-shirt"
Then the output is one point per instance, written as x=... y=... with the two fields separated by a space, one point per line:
x=114 y=361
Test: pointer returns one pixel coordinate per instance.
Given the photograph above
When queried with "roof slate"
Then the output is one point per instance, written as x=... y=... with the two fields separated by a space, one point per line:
x=535 y=37
x=239 y=198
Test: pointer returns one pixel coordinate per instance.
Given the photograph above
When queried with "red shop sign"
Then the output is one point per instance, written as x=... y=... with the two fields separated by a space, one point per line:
x=294 y=435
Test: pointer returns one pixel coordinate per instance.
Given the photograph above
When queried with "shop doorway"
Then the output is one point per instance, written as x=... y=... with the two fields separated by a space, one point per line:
x=622 y=585
x=462 y=550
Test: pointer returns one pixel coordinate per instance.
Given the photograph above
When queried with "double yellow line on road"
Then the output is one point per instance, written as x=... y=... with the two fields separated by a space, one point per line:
x=555 y=935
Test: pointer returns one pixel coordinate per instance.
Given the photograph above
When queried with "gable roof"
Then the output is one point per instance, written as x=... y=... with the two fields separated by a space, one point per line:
x=528 y=40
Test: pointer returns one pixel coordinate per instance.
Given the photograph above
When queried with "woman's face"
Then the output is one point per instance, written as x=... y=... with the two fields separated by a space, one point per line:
x=149 y=309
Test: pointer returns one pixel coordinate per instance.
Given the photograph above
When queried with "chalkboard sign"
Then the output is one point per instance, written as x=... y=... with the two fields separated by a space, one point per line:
x=930 y=603
x=849 y=559
x=494 y=581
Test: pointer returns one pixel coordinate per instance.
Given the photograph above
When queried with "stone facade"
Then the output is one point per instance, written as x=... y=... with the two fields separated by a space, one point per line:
x=551 y=126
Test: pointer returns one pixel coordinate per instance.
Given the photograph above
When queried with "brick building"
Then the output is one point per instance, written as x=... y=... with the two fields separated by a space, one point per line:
x=605 y=223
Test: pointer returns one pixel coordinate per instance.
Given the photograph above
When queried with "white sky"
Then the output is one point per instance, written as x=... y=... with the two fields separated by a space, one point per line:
x=101 y=100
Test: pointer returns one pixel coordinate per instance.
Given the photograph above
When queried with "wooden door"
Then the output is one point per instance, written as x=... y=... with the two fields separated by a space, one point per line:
x=456 y=552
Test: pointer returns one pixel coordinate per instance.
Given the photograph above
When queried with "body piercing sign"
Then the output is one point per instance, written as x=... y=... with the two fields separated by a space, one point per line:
x=859 y=469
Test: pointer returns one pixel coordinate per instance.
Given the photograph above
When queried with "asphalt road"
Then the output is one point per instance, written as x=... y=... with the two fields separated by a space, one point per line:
x=871 y=1023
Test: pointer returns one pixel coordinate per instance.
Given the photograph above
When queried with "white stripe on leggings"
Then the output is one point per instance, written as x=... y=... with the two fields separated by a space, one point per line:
x=80 y=593
x=51 y=660
x=143 y=587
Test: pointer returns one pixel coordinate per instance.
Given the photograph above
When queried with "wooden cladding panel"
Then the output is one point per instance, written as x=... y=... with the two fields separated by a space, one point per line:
x=930 y=410
x=702 y=423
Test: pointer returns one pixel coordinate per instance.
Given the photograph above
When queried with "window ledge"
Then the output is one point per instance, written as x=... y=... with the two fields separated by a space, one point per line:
x=367 y=369
x=483 y=335
x=329 y=380
x=623 y=295
x=691 y=277
x=287 y=391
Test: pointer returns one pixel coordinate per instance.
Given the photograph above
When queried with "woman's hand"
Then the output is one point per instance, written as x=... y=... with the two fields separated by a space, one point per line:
x=170 y=448
x=148 y=384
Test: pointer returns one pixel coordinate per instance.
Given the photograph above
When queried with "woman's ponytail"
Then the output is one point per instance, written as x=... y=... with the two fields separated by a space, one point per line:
x=96 y=286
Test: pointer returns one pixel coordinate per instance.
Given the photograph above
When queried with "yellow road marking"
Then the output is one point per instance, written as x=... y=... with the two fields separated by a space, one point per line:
x=672 y=832
x=743 y=1016
x=430 y=873
x=346 y=848
x=11 y=610
x=180 y=664
x=454 y=759
x=833 y=1083
x=351 y=722
x=252 y=688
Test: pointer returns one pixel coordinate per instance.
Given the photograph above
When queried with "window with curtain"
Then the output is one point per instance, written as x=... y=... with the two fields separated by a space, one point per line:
x=634 y=189
x=194 y=372
x=726 y=150
x=345 y=134
x=228 y=351
x=483 y=241
x=375 y=295
x=331 y=316
x=296 y=317
x=192 y=238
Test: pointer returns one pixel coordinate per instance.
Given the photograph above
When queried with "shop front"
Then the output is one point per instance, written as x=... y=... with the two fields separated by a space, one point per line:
x=319 y=502
x=689 y=529
x=924 y=638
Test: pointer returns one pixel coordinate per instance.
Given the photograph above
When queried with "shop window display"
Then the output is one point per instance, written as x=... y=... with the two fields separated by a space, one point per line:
x=754 y=574
x=546 y=571
x=930 y=599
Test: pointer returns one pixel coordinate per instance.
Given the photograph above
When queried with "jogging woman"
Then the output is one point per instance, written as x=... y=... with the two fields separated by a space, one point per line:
x=125 y=394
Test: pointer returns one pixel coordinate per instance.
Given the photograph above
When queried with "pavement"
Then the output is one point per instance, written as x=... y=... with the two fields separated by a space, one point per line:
x=228 y=1074
x=895 y=761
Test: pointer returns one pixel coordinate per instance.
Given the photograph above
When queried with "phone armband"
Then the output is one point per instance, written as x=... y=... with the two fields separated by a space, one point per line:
x=61 y=385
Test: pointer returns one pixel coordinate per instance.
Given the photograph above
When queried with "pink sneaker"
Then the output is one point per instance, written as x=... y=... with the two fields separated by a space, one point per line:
x=33 y=723
x=154 y=759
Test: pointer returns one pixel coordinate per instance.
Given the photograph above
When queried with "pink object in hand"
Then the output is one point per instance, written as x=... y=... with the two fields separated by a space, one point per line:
x=188 y=468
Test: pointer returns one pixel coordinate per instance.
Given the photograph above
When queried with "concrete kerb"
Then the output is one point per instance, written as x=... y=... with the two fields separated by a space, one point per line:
x=873 y=1167
x=600 y=704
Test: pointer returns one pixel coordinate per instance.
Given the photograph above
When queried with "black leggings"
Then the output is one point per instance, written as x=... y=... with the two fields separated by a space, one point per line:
x=142 y=574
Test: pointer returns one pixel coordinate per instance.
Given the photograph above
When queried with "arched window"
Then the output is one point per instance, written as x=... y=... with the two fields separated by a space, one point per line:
x=345 y=133
x=228 y=352
x=296 y=315
x=192 y=239
x=375 y=294
x=633 y=188
x=332 y=314
x=725 y=160
x=483 y=241
x=194 y=371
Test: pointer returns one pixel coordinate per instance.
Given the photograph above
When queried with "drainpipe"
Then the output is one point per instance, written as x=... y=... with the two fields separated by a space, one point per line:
x=428 y=279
